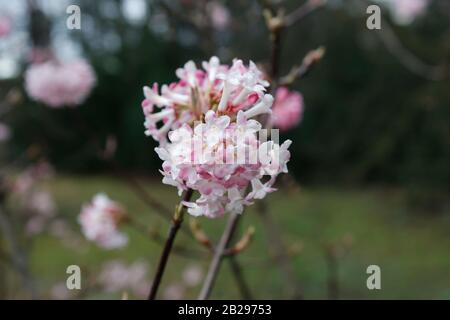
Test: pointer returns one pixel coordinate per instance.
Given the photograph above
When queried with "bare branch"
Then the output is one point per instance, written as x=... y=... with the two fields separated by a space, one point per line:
x=302 y=11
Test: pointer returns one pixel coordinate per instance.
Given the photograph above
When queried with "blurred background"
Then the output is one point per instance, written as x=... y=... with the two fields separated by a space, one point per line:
x=369 y=174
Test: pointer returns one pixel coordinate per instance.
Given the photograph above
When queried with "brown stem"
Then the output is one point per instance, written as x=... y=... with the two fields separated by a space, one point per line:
x=299 y=72
x=275 y=57
x=156 y=238
x=174 y=227
x=214 y=267
x=302 y=11
x=18 y=257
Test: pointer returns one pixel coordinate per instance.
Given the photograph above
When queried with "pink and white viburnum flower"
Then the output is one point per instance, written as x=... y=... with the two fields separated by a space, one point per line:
x=221 y=158
x=287 y=109
x=222 y=88
x=99 y=221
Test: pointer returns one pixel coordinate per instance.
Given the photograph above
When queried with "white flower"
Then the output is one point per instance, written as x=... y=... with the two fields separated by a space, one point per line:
x=225 y=166
x=99 y=220
x=217 y=87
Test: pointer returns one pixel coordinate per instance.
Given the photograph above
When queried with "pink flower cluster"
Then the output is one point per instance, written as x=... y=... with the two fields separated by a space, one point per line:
x=60 y=84
x=36 y=204
x=287 y=109
x=213 y=145
x=220 y=159
x=99 y=222
x=216 y=87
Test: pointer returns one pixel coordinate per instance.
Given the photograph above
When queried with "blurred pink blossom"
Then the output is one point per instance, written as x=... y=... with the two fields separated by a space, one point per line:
x=5 y=132
x=99 y=220
x=405 y=11
x=192 y=275
x=60 y=292
x=36 y=204
x=219 y=15
x=116 y=276
x=59 y=84
x=61 y=229
x=287 y=109
x=31 y=176
x=42 y=208
x=5 y=26
x=174 y=291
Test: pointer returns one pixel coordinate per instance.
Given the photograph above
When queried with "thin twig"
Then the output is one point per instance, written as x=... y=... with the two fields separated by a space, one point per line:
x=18 y=257
x=214 y=266
x=156 y=238
x=302 y=11
x=174 y=227
x=408 y=59
x=299 y=72
x=276 y=26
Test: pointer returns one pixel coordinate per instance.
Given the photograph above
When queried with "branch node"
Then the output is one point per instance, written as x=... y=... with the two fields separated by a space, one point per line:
x=199 y=234
x=243 y=243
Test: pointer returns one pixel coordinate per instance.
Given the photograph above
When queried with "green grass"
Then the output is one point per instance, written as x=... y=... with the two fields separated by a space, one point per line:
x=412 y=248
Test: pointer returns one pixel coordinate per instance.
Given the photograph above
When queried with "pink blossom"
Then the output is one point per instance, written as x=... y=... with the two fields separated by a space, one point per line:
x=37 y=204
x=61 y=230
x=219 y=159
x=99 y=221
x=60 y=291
x=219 y=15
x=287 y=109
x=117 y=276
x=174 y=291
x=59 y=84
x=5 y=26
x=192 y=275
x=405 y=11
x=224 y=88
x=31 y=176
x=208 y=139
x=43 y=209
x=5 y=132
